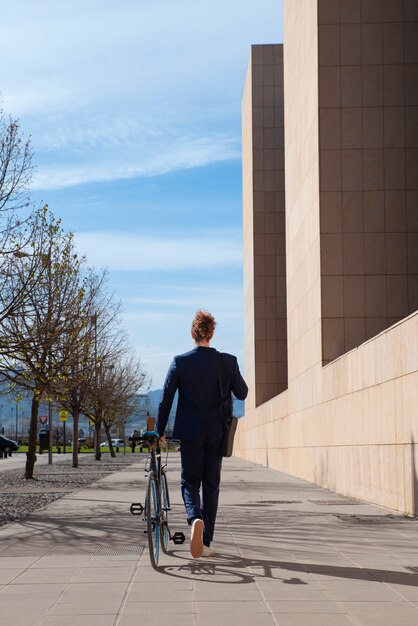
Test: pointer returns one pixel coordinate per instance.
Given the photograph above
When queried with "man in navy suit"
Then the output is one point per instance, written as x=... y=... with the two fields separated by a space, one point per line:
x=199 y=425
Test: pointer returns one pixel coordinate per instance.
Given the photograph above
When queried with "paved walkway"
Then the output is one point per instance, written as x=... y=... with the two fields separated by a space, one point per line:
x=18 y=459
x=290 y=554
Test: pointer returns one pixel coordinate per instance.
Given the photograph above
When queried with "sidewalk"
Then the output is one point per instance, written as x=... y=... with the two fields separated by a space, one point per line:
x=18 y=459
x=290 y=554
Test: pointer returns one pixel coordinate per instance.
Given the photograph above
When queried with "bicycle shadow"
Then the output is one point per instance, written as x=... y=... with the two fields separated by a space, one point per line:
x=235 y=570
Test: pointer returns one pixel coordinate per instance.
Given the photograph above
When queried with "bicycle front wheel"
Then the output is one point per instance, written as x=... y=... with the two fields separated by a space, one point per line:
x=153 y=522
x=165 y=507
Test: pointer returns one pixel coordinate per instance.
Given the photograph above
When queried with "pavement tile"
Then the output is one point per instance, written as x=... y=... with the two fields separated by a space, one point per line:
x=154 y=593
x=231 y=607
x=226 y=593
x=147 y=574
x=7 y=575
x=172 y=584
x=63 y=561
x=104 y=574
x=79 y=593
x=405 y=592
x=154 y=619
x=46 y=575
x=14 y=562
x=251 y=619
x=295 y=619
x=147 y=609
x=377 y=593
x=78 y=620
x=295 y=593
x=304 y=607
x=36 y=593
x=30 y=618
x=95 y=607
x=393 y=612
x=29 y=611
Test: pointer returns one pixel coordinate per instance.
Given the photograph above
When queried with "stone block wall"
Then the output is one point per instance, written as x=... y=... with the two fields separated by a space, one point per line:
x=348 y=419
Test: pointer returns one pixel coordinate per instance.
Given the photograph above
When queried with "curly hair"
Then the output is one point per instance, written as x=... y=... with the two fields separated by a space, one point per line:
x=203 y=326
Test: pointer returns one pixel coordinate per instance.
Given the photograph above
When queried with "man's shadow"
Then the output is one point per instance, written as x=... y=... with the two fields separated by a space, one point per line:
x=235 y=570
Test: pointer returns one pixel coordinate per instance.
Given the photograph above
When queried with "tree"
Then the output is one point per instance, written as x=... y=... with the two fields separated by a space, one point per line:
x=17 y=222
x=49 y=312
x=123 y=382
x=16 y=171
x=110 y=346
x=75 y=388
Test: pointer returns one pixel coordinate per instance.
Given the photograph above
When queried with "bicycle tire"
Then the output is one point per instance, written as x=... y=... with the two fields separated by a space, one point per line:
x=165 y=506
x=153 y=522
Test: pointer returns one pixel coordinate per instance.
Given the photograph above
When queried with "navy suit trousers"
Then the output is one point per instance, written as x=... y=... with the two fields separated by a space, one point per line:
x=200 y=477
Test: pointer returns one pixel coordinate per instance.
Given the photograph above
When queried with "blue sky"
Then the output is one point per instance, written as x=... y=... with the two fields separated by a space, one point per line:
x=134 y=109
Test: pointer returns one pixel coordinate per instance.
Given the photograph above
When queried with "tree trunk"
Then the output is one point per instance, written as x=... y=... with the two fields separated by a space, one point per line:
x=98 y=453
x=109 y=440
x=76 y=415
x=33 y=432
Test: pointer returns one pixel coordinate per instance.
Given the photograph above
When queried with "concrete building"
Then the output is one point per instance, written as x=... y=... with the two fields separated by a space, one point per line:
x=330 y=193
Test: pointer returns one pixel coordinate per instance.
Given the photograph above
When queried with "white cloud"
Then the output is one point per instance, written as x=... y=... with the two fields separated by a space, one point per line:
x=152 y=85
x=163 y=155
x=135 y=252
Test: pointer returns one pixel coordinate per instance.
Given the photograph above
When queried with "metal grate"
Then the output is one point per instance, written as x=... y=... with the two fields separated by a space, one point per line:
x=335 y=502
x=123 y=549
x=371 y=519
x=279 y=502
x=73 y=550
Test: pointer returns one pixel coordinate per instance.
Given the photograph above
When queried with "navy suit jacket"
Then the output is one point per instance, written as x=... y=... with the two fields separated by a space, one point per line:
x=200 y=405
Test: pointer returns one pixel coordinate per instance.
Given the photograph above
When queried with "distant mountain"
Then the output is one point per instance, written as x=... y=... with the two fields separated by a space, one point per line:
x=16 y=423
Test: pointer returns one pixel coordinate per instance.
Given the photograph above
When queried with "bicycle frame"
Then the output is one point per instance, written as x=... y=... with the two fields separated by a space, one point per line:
x=157 y=501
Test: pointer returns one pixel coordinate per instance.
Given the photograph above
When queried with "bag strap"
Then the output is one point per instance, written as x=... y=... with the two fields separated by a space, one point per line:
x=227 y=414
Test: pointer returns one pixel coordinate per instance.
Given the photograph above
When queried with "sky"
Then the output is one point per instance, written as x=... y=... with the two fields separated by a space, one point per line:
x=134 y=113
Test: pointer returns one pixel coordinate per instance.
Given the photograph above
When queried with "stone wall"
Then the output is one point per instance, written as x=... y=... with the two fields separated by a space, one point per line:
x=349 y=418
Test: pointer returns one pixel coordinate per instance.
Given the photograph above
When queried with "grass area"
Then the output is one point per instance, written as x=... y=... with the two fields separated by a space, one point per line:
x=23 y=449
x=84 y=449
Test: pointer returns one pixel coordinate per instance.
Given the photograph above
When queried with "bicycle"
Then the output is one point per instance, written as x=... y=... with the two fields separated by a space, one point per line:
x=157 y=499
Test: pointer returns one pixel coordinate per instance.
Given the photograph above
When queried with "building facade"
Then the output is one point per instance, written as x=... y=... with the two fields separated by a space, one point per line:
x=330 y=194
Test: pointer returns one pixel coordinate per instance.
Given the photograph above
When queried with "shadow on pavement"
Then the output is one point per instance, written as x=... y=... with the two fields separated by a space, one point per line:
x=230 y=570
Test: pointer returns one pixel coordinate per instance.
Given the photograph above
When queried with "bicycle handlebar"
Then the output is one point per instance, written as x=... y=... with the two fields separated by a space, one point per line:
x=149 y=435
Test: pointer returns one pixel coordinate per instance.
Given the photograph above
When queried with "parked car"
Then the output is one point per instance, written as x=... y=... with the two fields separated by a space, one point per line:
x=115 y=442
x=8 y=444
x=80 y=440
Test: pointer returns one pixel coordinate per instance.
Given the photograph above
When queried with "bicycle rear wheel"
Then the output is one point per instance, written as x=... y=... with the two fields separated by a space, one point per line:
x=153 y=514
x=165 y=507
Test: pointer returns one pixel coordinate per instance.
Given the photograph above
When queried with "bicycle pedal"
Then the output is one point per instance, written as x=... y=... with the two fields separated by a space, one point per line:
x=178 y=538
x=136 y=508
